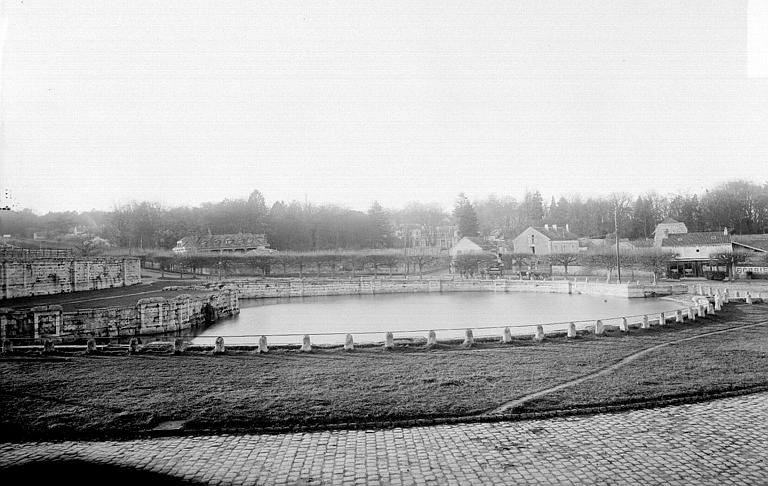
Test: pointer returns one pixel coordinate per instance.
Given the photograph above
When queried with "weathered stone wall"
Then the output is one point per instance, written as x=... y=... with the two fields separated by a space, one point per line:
x=155 y=315
x=54 y=276
x=265 y=288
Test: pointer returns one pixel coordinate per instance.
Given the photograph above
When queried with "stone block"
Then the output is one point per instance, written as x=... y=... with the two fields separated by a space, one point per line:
x=219 y=346
x=646 y=323
x=599 y=328
x=349 y=343
x=306 y=344
x=180 y=346
x=507 y=337
x=539 y=334
x=431 y=339
x=48 y=346
x=469 y=339
x=263 y=348
x=389 y=341
x=624 y=325
x=572 y=330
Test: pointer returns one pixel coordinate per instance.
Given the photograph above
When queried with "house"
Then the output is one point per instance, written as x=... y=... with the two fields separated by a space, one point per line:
x=546 y=240
x=667 y=227
x=470 y=244
x=231 y=243
x=695 y=252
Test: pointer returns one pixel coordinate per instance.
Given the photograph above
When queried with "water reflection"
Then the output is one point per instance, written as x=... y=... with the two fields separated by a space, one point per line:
x=368 y=317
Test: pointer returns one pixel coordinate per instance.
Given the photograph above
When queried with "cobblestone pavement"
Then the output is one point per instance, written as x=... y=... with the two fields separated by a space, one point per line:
x=720 y=442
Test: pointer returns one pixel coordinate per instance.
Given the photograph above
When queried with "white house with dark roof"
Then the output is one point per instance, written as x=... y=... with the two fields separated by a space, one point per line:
x=546 y=240
x=696 y=252
x=471 y=244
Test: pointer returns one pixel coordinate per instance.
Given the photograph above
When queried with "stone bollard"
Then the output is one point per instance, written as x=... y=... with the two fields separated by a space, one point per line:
x=699 y=290
x=306 y=344
x=179 y=346
x=571 y=330
x=469 y=339
x=624 y=326
x=726 y=296
x=431 y=339
x=692 y=314
x=749 y=298
x=646 y=323
x=218 y=347
x=90 y=346
x=702 y=310
x=718 y=304
x=349 y=343
x=507 y=337
x=710 y=309
x=539 y=335
x=7 y=346
x=599 y=329
x=133 y=346
x=48 y=346
x=263 y=348
x=389 y=341
x=662 y=319
x=678 y=316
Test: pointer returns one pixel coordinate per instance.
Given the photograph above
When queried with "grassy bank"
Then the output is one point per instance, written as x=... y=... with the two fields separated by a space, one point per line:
x=81 y=396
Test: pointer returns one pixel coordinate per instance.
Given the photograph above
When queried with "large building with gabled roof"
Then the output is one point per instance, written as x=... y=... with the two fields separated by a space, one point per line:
x=546 y=240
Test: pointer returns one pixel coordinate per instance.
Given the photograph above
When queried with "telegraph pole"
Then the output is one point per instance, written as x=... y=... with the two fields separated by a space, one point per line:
x=616 y=227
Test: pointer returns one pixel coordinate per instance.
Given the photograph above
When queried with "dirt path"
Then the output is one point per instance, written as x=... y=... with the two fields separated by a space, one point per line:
x=610 y=369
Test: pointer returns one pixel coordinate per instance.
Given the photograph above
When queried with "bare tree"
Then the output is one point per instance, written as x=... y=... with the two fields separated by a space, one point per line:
x=563 y=259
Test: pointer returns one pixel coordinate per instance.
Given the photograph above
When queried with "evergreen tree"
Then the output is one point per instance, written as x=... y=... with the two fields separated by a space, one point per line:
x=378 y=221
x=466 y=217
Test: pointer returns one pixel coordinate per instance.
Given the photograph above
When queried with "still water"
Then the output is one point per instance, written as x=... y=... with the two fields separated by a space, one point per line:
x=368 y=317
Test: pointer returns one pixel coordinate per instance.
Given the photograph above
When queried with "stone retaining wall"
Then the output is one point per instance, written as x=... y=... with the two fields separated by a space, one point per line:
x=47 y=276
x=156 y=315
x=287 y=287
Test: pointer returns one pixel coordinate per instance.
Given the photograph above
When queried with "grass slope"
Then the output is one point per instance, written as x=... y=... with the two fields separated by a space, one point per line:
x=83 y=396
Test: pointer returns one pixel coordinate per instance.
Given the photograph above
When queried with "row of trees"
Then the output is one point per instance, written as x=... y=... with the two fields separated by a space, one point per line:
x=389 y=262
x=740 y=206
x=301 y=226
x=300 y=264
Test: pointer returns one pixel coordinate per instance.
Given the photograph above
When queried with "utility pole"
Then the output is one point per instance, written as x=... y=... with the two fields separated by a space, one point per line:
x=616 y=226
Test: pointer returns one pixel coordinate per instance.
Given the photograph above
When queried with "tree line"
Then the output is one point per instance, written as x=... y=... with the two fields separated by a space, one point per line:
x=740 y=206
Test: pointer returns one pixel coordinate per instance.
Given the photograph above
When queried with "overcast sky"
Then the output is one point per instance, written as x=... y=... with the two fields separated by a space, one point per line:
x=349 y=102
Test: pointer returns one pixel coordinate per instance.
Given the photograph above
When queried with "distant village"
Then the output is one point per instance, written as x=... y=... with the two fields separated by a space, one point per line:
x=504 y=235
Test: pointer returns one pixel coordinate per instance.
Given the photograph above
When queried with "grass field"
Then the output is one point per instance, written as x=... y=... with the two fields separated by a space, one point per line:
x=85 y=396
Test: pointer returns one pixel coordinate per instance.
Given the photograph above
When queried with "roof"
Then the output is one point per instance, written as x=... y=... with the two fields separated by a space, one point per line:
x=670 y=221
x=557 y=235
x=760 y=244
x=485 y=245
x=697 y=239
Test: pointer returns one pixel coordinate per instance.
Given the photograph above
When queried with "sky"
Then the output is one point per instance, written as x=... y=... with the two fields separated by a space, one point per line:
x=347 y=102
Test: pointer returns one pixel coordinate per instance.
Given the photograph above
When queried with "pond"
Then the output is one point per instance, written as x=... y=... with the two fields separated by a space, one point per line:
x=369 y=317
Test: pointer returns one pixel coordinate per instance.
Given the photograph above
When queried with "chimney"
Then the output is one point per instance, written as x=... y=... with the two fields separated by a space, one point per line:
x=546 y=226
x=725 y=230
x=554 y=227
